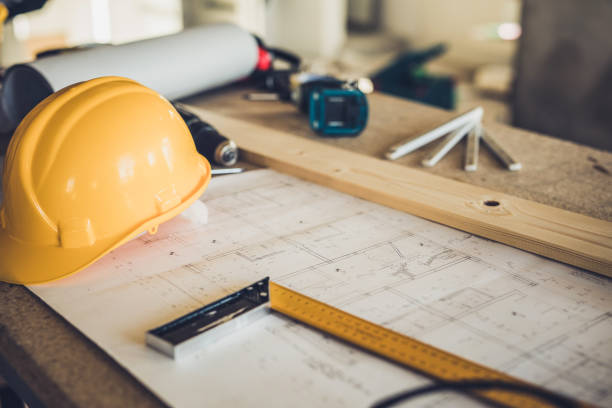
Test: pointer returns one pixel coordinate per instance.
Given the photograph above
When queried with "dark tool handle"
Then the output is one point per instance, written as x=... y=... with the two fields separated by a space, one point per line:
x=208 y=141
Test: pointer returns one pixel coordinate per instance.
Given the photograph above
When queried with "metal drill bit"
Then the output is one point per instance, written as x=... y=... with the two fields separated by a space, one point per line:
x=220 y=172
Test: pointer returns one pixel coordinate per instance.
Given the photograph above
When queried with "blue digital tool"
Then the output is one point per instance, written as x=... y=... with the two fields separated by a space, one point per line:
x=335 y=107
x=337 y=112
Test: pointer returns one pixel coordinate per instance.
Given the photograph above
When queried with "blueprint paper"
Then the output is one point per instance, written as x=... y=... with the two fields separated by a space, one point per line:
x=522 y=314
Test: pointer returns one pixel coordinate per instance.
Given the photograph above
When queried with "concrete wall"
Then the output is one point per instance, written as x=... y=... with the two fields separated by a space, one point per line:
x=564 y=70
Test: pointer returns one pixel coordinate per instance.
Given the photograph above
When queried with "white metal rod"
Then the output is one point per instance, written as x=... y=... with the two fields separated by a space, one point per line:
x=446 y=144
x=471 y=150
x=403 y=148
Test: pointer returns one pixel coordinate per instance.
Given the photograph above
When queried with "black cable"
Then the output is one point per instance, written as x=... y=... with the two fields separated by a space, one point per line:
x=9 y=398
x=479 y=385
x=293 y=59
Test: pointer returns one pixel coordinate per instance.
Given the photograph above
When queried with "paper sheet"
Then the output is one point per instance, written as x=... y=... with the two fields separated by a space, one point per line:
x=533 y=318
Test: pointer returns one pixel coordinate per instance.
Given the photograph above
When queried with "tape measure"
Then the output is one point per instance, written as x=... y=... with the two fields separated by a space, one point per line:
x=219 y=318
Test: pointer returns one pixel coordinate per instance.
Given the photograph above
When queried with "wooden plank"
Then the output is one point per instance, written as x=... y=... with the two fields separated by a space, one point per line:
x=554 y=233
x=556 y=173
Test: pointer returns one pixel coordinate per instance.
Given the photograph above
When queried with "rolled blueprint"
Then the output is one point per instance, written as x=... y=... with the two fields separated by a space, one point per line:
x=176 y=66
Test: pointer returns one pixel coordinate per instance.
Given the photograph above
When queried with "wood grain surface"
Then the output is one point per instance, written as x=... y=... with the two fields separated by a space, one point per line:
x=568 y=237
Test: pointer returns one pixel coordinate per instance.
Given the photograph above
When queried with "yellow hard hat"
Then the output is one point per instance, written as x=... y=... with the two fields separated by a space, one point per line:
x=89 y=168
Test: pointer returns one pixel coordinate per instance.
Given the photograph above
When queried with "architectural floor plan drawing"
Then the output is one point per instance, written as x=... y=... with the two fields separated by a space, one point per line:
x=528 y=316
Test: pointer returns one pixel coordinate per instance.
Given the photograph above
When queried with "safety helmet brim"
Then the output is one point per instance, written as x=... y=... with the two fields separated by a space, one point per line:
x=22 y=263
x=27 y=264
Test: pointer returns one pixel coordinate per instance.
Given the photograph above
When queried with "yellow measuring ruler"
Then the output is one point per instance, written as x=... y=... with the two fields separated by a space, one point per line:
x=222 y=317
x=421 y=357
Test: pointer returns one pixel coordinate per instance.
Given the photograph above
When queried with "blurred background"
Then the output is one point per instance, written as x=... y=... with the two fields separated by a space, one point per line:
x=543 y=65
